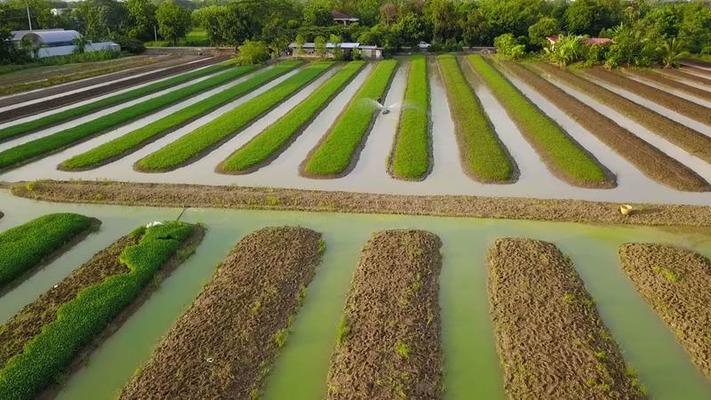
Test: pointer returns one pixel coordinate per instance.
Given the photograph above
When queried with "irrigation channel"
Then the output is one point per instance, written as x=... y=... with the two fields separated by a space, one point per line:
x=471 y=365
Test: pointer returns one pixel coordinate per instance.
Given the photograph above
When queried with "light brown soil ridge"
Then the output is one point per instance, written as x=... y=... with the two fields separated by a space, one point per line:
x=388 y=340
x=549 y=336
x=672 y=83
x=688 y=139
x=206 y=196
x=647 y=158
x=676 y=282
x=678 y=73
x=668 y=100
x=224 y=344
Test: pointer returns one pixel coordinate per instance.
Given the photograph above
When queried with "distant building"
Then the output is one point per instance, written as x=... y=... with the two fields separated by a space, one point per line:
x=593 y=41
x=60 y=11
x=367 y=52
x=56 y=42
x=341 y=18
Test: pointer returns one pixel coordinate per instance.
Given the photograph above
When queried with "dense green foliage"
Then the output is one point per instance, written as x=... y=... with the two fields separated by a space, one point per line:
x=132 y=141
x=173 y=20
x=25 y=246
x=275 y=137
x=252 y=52
x=483 y=154
x=81 y=319
x=410 y=158
x=547 y=137
x=57 y=141
x=334 y=154
x=76 y=112
x=195 y=143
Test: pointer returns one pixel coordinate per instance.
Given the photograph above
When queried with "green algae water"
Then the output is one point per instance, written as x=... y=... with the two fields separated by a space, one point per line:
x=471 y=365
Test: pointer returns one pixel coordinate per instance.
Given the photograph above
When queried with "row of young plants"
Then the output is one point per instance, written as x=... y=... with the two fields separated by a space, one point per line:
x=483 y=155
x=134 y=140
x=44 y=356
x=335 y=153
x=275 y=138
x=26 y=246
x=55 y=142
x=410 y=158
x=76 y=112
x=200 y=141
x=565 y=157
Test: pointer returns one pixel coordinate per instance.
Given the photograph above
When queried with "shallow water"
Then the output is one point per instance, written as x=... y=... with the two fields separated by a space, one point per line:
x=470 y=360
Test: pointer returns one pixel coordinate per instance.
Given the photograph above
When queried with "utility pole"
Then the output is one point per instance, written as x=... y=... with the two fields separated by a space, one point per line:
x=29 y=20
x=155 y=34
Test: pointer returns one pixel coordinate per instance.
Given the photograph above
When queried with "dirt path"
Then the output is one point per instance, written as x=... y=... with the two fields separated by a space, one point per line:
x=677 y=284
x=223 y=346
x=388 y=339
x=550 y=338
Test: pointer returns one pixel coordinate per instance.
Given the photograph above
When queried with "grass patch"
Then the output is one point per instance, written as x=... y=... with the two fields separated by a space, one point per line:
x=222 y=128
x=133 y=141
x=60 y=140
x=560 y=152
x=483 y=155
x=274 y=139
x=81 y=319
x=25 y=246
x=76 y=112
x=410 y=158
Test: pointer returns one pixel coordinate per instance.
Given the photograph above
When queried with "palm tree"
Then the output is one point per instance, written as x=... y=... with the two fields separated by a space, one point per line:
x=672 y=50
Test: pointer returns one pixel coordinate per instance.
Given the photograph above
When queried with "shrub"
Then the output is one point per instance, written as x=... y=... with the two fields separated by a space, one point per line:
x=131 y=45
x=252 y=52
x=508 y=47
x=567 y=50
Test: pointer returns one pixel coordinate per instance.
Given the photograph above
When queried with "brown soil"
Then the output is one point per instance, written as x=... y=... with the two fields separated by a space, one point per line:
x=697 y=64
x=35 y=108
x=388 y=339
x=549 y=336
x=687 y=76
x=224 y=344
x=690 y=140
x=660 y=78
x=647 y=158
x=677 y=284
x=206 y=196
x=668 y=100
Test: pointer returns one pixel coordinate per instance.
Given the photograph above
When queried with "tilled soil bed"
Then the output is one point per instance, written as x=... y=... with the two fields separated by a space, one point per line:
x=549 y=336
x=224 y=344
x=672 y=83
x=388 y=340
x=688 y=76
x=676 y=282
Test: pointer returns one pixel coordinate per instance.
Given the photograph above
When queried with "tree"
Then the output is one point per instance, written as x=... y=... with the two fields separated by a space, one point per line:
x=589 y=17
x=142 y=19
x=567 y=50
x=443 y=15
x=507 y=47
x=476 y=29
x=337 y=51
x=300 y=44
x=173 y=20
x=671 y=52
x=320 y=44
x=252 y=52
x=538 y=32
x=318 y=12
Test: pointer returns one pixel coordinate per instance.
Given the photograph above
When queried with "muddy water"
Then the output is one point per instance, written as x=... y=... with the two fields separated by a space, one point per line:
x=471 y=364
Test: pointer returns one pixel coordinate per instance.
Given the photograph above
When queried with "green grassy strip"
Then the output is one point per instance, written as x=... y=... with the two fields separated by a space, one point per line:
x=482 y=153
x=75 y=112
x=410 y=157
x=562 y=154
x=133 y=141
x=200 y=141
x=25 y=246
x=60 y=140
x=334 y=154
x=81 y=319
x=274 y=138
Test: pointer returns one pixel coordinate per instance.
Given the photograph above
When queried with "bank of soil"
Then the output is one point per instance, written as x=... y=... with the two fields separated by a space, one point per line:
x=551 y=341
x=687 y=76
x=388 y=339
x=651 y=161
x=224 y=344
x=676 y=282
x=672 y=83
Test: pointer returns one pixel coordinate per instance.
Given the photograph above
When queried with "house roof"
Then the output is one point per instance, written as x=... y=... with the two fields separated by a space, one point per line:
x=339 y=16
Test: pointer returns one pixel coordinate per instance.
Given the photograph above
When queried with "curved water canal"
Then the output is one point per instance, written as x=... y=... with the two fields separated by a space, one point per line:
x=470 y=361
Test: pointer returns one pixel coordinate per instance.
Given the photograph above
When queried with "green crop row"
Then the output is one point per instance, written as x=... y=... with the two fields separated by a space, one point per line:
x=75 y=112
x=410 y=158
x=204 y=138
x=334 y=154
x=560 y=152
x=25 y=246
x=483 y=155
x=133 y=141
x=79 y=320
x=274 y=138
x=60 y=140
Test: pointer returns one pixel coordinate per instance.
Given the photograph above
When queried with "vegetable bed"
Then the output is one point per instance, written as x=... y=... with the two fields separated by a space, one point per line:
x=483 y=155
x=275 y=138
x=563 y=155
x=42 y=356
x=133 y=141
x=335 y=153
x=24 y=247
x=200 y=141
x=410 y=157
x=55 y=142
